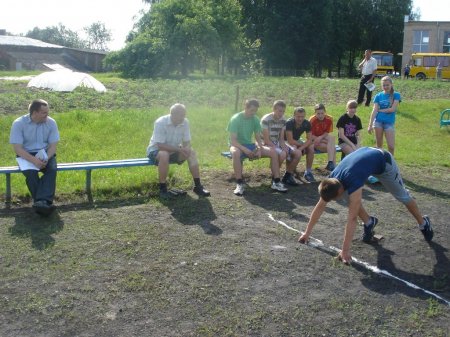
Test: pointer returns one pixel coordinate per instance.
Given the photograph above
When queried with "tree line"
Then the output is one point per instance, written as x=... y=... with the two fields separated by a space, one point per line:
x=272 y=37
x=98 y=36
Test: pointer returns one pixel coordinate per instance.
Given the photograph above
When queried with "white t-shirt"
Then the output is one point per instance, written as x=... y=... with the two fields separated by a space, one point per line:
x=369 y=67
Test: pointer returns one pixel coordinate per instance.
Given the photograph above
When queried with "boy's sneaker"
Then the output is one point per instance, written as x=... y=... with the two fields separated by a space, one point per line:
x=330 y=166
x=427 y=231
x=309 y=177
x=201 y=191
x=289 y=180
x=368 y=230
x=167 y=195
x=278 y=186
x=239 y=190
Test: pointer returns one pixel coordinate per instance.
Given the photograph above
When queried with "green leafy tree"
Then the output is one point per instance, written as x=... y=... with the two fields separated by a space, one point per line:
x=59 y=35
x=98 y=36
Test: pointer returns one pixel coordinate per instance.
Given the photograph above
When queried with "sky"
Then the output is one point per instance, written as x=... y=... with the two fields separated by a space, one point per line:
x=20 y=16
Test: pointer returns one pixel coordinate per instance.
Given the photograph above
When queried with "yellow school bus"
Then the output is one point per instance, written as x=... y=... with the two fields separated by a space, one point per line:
x=385 y=62
x=424 y=65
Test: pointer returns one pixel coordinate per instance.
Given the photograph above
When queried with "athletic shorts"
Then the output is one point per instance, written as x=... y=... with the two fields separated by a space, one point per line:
x=173 y=158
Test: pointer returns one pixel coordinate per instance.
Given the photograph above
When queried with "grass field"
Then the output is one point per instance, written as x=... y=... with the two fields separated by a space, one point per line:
x=129 y=264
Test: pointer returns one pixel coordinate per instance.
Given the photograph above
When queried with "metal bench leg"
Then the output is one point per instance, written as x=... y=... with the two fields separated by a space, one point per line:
x=8 y=188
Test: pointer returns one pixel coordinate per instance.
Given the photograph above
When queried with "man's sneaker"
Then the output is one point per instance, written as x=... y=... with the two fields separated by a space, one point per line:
x=289 y=180
x=368 y=229
x=42 y=207
x=330 y=166
x=427 y=231
x=201 y=191
x=239 y=190
x=309 y=177
x=278 y=186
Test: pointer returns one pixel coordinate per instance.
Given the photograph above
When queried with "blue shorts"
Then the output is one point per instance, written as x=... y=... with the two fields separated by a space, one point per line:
x=384 y=126
x=251 y=147
x=173 y=158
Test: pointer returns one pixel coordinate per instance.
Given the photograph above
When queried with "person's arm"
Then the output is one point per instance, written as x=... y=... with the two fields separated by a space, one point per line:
x=266 y=138
x=358 y=139
x=21 y=152
x=51 y=150
x=314 y=218
x=373 y=115
x=354 y=205
x=391 y=109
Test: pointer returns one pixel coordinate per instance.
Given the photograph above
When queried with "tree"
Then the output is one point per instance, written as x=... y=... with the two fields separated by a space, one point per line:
x=59 y=35
x=98 y=36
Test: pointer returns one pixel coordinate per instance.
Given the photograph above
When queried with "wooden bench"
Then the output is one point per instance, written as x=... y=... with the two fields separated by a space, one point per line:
x=86 y=166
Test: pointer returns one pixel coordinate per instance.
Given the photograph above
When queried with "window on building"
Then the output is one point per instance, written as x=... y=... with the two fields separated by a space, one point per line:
x=446 y=46
x=421 y=40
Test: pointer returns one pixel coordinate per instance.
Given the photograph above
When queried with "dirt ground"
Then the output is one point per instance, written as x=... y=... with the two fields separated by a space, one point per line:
x=220 y=266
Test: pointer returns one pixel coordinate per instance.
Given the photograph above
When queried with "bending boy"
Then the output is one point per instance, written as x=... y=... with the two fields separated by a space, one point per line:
x=349 y=177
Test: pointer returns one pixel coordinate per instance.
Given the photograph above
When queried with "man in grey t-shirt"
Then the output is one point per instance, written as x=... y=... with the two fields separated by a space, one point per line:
x=34 y=137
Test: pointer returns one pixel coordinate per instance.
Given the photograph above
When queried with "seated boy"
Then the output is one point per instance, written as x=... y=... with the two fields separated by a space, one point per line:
x=323 y=139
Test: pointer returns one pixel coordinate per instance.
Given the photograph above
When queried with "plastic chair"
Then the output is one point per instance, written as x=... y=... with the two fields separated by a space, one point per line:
x=445 y=120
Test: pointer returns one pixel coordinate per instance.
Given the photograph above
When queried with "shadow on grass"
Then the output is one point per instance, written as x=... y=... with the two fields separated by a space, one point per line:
x=190 y=211
x=422 y=189
x=38 y=229
x=438 y=282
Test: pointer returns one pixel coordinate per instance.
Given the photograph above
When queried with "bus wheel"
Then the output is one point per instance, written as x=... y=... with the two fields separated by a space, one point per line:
x=421 y=76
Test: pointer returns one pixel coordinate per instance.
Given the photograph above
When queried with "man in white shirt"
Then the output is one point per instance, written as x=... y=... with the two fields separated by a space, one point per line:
x=171 y=143
x=368 y=67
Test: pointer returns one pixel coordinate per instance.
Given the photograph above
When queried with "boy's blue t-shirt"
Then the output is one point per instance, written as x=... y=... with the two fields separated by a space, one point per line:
x=357 y=166
x=384 y=102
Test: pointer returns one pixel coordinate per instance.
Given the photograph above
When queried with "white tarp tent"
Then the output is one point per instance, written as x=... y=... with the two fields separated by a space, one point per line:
x=65 y=80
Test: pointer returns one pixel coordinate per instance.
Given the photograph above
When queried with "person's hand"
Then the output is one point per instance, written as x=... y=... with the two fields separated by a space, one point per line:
x=370 y=129
x=303 y=238
x=345 y=257
x=185 y=151
x=40 y=164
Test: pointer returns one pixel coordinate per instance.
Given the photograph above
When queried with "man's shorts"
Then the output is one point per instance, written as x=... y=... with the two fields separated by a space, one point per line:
x=392 y=180
x=384 y=126
x=251 y=147
x=173 y=158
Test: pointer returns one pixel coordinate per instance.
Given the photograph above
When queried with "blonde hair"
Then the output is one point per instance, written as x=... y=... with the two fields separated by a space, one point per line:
x=391 y=92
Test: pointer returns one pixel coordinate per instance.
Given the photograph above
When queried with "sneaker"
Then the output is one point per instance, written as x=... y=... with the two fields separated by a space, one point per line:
x=239 y=190
x=330 y=166
x=278 y=186
x=309 y=177
x=201 y=191
x=289 y=180
x=41 y=207
x=427 y=231
x=368 y=230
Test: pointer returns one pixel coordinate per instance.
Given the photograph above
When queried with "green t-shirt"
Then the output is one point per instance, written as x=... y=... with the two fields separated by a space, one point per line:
x=244 y=127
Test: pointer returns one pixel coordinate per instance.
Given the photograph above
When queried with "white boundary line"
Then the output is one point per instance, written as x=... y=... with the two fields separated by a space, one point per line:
x=316 y=243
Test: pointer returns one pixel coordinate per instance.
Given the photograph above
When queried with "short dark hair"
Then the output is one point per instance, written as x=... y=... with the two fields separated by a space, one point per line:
x=36 y=105
x=251 y=102
x=329 y=188
x=299 y=109
x=319 y=106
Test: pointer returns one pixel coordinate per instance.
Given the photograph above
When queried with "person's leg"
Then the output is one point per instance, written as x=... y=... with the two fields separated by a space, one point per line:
x=379 y=137
x=331 y=148
x=272 y=154
x=390 y=139
x=32 y=181
x=237 y=162
x=369 y=97
x=193 y=165
x=291 y=165
x=362 y=90
x=47 y=183
x=163 y=165
x=309 y=158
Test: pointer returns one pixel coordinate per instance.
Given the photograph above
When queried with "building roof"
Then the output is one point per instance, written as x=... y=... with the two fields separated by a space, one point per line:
x=25 y=41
